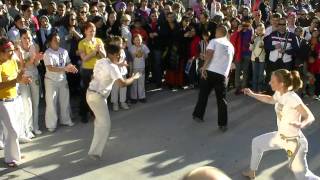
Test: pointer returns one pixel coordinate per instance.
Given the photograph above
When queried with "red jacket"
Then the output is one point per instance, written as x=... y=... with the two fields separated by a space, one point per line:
x=236 y=42
x=315 y=66
x=194 y=47
x=140 y=31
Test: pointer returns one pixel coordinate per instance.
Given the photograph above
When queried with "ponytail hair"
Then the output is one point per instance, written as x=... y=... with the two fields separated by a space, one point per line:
x=290 y=79
x=296 y=80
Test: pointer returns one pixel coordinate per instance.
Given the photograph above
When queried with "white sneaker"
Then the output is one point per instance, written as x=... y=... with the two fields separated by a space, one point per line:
x=115 y=107
x=38 y=132
x=69 y=124
x=24 y=140
x=1 y=145
x=51 y=129
x=124 y=106
x=30 y=135
x=94 y=157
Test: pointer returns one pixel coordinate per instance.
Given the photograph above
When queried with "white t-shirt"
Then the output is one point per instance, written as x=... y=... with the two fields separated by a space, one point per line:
x=123 y=69
x=31 y=70
x=59 y=58
x=222 y=56
x=307 y=34
x=105 y=73
x=286 y=112
x=139 y=62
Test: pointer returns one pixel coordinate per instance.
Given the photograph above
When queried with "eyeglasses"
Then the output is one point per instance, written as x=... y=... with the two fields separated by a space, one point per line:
x=282 y=24
x=83 y=12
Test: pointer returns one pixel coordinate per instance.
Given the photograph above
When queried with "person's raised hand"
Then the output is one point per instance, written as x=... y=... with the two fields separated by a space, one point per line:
x=136 y=75
x=22 y=78
x=248 y=92
x=71 y=69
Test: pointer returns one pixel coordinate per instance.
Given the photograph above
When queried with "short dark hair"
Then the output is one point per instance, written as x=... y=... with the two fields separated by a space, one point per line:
x=17 y=18
x=276 y=15
x=113 y=49
x=223 y=29
x=23 y=31
x=24 y=7
x=51 y=36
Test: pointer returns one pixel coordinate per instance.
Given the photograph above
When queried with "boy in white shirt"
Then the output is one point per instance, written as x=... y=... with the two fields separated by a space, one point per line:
x=105 y=73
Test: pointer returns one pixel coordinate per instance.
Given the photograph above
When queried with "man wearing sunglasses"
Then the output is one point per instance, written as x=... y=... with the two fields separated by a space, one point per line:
x=282 y=45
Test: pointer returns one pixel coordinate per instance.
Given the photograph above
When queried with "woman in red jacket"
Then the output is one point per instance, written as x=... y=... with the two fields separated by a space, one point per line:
x=314 y=68
x=194 y=52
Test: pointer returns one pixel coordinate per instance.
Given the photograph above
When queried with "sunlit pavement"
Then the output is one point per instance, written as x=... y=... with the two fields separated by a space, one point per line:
x=159 y=140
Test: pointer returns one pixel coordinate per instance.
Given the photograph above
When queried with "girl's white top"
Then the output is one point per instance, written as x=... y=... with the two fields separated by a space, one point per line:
x=286 y=113
x=59 y=58
x=139 y=62
x=30 y=70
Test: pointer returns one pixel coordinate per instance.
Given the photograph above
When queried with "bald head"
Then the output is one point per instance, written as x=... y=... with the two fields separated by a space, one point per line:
x=206 y=173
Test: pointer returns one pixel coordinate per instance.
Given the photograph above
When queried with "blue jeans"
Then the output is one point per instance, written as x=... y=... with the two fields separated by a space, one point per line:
x=258 y=76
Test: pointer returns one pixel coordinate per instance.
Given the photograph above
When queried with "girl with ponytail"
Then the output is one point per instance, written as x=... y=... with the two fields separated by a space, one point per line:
x=292 y=116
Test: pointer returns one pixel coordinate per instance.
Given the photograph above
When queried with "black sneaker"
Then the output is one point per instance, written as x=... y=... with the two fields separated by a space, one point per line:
x=197 y=119
x=144 y=100
x=133 y=101
x=84 y=119
x=238 y=92
x=223 y=128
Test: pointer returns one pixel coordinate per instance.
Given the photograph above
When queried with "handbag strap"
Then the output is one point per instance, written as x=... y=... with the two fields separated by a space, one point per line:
x=285 y=44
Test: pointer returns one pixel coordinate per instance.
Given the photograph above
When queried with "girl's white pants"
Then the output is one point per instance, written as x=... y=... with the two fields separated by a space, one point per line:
x=274 y=141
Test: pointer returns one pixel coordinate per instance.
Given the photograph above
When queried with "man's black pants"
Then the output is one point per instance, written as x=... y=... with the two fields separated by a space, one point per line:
x=217 y=82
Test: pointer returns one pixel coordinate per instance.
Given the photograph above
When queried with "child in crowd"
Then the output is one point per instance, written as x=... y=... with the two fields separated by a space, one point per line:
x=119 y=94
x=139 y=52
x=258 y=59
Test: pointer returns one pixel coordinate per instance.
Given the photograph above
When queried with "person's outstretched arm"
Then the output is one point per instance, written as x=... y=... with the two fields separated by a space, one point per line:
x=126 y=82
x=260 y=97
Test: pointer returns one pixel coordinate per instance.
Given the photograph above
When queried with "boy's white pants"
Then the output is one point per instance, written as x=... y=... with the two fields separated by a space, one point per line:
x=57 y=91
x=273 y=141
x=11 y=126
x=99 y=105
x=118 y=93
x=137 y=89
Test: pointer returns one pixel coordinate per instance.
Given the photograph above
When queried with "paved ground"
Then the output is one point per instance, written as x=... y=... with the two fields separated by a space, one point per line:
x=158 y=140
